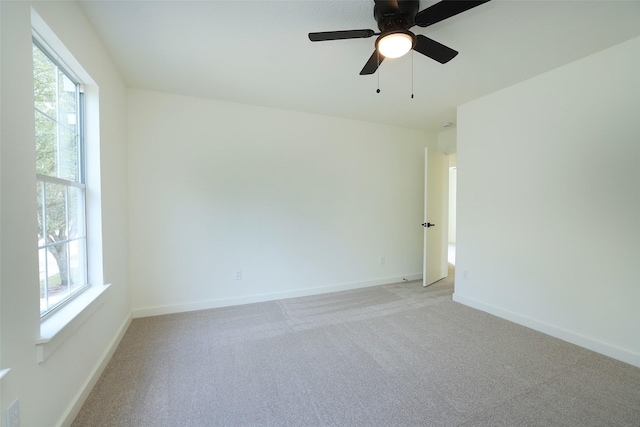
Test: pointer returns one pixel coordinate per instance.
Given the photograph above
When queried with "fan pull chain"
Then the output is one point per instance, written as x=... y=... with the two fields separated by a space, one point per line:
x=378 y=70
x=412 y=74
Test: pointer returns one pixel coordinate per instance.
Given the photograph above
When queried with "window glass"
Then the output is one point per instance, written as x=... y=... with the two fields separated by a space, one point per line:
x=60 y=188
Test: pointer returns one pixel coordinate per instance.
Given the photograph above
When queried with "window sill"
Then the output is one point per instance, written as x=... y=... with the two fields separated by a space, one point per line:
x=59 y=326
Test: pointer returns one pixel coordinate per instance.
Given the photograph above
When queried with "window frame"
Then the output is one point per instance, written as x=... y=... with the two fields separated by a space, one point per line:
x=61 y=324
x=80 y=184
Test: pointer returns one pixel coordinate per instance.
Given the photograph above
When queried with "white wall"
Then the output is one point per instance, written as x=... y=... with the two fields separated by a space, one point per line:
x=299 y=203
x=48 y=392
x=548 y=202
x=447 y=141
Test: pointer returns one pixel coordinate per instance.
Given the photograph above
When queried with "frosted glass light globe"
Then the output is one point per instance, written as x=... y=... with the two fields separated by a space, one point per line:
x=395 y=45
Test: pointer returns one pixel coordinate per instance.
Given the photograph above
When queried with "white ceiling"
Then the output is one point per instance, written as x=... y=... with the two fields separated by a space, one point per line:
x=257 y=52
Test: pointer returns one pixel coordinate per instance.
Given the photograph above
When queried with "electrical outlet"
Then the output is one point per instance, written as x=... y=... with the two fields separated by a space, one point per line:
x=239 y=275
x=13 y=414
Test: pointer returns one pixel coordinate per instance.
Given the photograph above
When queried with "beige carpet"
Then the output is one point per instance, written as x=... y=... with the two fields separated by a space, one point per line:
x=394 y=355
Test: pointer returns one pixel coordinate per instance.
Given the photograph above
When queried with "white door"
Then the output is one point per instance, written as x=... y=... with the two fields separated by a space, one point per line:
x=436 y=208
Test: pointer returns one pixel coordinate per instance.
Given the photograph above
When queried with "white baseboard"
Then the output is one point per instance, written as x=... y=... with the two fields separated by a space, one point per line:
x=572 y=337
x=227 y=302
x=73 y=409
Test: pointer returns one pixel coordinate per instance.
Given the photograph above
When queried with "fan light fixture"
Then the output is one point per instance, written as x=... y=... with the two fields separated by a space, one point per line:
x=395 y=44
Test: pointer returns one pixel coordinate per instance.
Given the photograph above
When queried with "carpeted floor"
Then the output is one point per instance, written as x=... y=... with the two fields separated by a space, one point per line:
x=393 y=355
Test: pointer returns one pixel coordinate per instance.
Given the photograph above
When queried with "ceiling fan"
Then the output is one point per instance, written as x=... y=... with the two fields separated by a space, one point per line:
x=395 y=18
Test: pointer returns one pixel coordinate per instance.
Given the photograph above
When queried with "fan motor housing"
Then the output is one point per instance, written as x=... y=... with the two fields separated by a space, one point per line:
x=395 y=14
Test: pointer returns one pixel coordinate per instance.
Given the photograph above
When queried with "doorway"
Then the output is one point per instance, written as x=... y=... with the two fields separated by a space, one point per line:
x=435 y=217
x=440 y=216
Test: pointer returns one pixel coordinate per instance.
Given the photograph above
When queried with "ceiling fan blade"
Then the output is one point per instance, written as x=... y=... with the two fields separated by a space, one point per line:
x=372 y=64
x=340 y=35
x=433 y=49
x=443 y=10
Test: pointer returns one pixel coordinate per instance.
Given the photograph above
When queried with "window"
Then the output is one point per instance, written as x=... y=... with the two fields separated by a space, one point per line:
x=60 y=176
